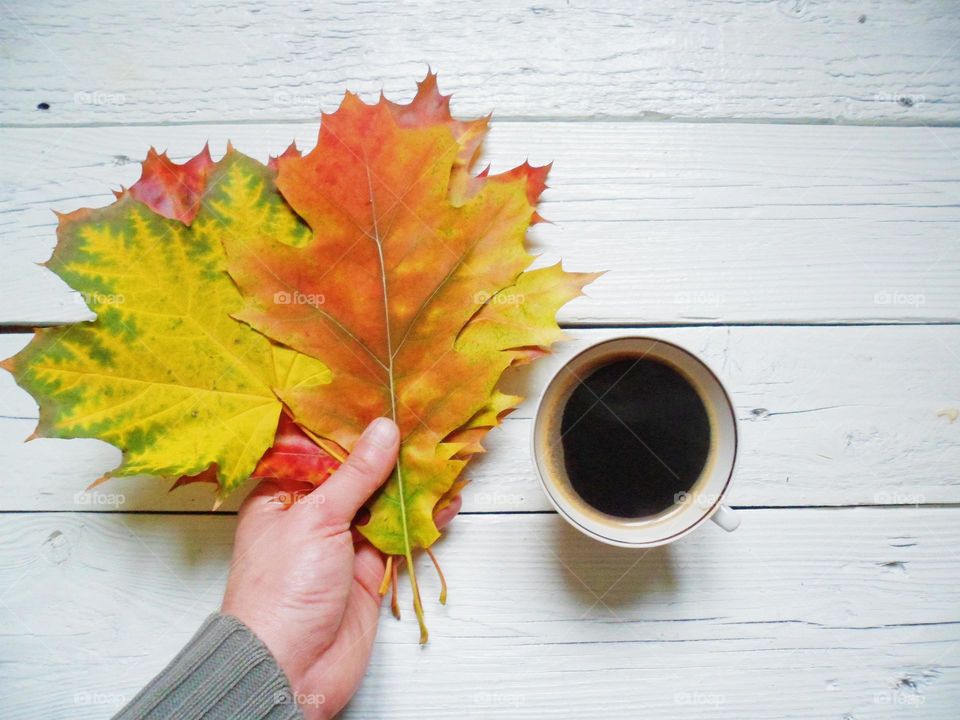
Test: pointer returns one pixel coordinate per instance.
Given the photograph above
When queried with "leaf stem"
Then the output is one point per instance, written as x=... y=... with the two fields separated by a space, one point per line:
x=387 y=571
x=394 y=597
x=443 y=580
x=407 y=550
x=417 y=605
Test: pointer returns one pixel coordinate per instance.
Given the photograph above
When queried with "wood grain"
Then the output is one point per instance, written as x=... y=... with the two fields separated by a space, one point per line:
x=828 y=416
x=800 y=613
x=250 y=60
x=696 y=223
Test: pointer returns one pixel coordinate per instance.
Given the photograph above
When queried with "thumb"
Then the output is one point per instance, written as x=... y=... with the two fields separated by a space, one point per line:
x=365 y=469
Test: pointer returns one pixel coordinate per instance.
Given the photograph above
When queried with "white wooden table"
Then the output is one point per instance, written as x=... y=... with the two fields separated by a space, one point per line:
x=774 y=185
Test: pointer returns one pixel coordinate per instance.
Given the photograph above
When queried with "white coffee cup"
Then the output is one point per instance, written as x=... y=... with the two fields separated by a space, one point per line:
x=704 y=499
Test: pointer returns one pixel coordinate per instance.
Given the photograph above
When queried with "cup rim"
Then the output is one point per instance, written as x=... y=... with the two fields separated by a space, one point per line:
x=617 y=541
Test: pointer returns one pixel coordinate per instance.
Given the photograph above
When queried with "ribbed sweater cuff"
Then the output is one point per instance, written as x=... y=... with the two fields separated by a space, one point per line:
x=225 y=672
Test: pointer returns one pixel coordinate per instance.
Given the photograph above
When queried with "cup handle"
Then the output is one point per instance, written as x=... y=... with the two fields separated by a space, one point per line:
x=726 y=518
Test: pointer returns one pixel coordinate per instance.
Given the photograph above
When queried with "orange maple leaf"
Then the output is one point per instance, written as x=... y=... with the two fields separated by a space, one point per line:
x=413 y=290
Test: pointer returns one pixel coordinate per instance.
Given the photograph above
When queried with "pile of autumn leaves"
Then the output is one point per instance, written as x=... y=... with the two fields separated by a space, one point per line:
x=252 y=319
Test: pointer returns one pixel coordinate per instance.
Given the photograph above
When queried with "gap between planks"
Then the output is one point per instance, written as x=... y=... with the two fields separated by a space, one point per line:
x=651 y=117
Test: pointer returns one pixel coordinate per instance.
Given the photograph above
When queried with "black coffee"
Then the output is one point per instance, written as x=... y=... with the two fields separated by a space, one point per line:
x=635 y=434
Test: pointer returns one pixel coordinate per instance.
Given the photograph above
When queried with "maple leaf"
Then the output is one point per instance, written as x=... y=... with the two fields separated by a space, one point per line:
x=413 y=290
x=171 y=189
x=164 y=373
x=294 y=460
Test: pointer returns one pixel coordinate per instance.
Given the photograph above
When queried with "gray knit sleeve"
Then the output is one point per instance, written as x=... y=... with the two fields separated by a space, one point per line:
x=225 y=672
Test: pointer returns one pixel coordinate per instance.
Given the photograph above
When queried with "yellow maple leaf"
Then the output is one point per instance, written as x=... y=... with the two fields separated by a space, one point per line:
x=164 y=373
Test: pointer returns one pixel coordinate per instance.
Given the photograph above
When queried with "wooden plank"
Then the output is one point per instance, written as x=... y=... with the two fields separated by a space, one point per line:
x=879 y=61
x=828 y=416
x=800 y=613
x=696 y=223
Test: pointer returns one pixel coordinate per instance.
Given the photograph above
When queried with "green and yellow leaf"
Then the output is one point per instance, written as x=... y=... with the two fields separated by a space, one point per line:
x=164 y=372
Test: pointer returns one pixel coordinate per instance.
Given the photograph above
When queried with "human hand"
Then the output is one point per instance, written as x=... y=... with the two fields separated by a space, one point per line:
x=306 y=584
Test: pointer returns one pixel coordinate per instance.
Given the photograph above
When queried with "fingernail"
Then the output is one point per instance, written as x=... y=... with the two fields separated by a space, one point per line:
x=382 y=432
